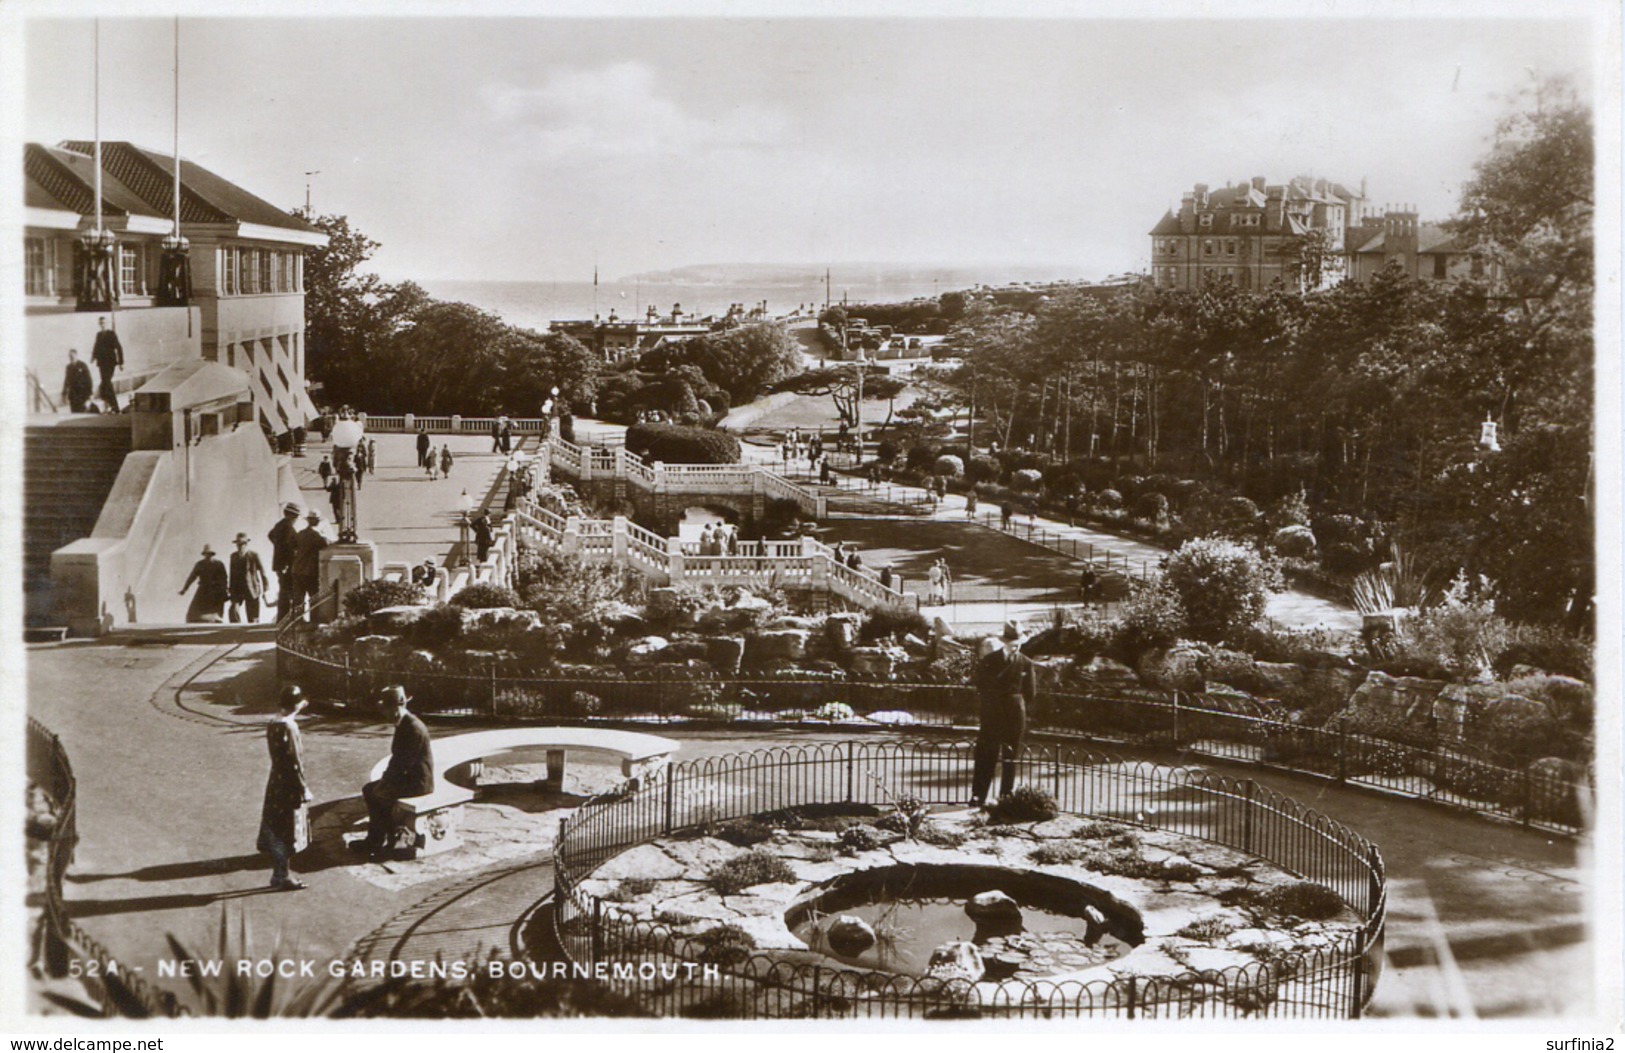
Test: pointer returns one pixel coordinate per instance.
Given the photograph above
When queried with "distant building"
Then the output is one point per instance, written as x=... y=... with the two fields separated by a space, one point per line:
x=1304 y=233
x=246 y=265
x=614 y=339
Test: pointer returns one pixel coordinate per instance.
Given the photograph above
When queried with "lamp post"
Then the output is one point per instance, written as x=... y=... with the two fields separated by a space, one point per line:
x=863 y=367
x=347 y=435
x=465 y=505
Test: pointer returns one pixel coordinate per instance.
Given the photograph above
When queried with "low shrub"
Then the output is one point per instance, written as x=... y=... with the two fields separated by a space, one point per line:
x=1024 y=804
x=629 y=889
x=833 y=711
x=439 y=626
x=921 y=458
x=941 y=836
x=859 y=837
x=949 y=465
x=678 y=444
x=1108 y=499
x=1545 y=647
x=379 y=593
x=1053 y=853
x=743 y=833
x=982 y=470
x=1151 y=505
x=725 y=945
x=1481 y=782
x=1303 y=899
x=1208 y=930
x=898 y=622
x=1026 y=479
x=483 y=595
x=755 y=867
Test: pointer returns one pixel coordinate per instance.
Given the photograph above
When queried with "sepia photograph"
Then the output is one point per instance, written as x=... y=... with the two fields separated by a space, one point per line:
x=1077 y=516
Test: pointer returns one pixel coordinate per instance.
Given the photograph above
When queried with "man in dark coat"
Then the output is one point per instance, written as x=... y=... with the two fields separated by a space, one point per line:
x=108 y=354
x=1005 y=680
x=246 y=576
x=76 y=383
x=307 y=562
x=425 y=444
x=209 y=602
x=284 y=816
x=281 y=537
x=410 y=772
x=481 y=525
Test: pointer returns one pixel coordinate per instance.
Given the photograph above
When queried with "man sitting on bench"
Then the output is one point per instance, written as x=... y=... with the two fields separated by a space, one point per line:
x=410 y=773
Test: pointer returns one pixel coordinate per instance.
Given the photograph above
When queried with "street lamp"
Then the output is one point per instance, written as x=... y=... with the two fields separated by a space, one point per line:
x=347 y=435
x=465 y=505
x=863 y=367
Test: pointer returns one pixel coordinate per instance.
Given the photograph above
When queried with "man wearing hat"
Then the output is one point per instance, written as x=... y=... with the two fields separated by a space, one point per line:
x=281 y=537
x=410 y=772
x=209 y=602
x=284 y=814
x=1005 y=681
x=424 y=574
x=247 y=581
x=307 y=563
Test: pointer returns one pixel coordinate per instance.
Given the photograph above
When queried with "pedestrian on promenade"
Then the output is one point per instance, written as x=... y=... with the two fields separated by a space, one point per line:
x=445 y=460
x=1005 y=681
x=1089 y=584
x=705 y=540
x=108 y=354
x=970 y=505
x=209 y=601
x=410 y=772
x=335 y=497
x=1006 y=512
x=325 y=470
x=942 y=486
x=372 y=456
x=886 y=576
x=424 y=574
x=76 y=383
x=825 y=476
x=933 y=593
x=947 y=581
x=496 y=436
x=324 y=427
x=245 y=582
x=506 y=435
x=425 y=444
x=282 y=545
x=1071 y=509
x=285 y=815
x=854 y=561
x=307 y=564
x=358 y=463
x=838 y=553
x=733 y=540
x=481 y=525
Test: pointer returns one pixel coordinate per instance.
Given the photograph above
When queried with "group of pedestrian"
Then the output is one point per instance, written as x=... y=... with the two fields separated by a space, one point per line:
x=436 y=465
x=284 y=828
x=107 y=354
x=502 y=435
x=940 y=583
x=296 y=560
x=721 y=539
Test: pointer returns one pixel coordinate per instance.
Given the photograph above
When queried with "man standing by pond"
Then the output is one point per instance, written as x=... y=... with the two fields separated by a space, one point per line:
x=1005 y=681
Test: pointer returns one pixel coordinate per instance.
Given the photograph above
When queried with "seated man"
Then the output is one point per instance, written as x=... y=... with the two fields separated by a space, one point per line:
x=424 y=574
x=410 y=772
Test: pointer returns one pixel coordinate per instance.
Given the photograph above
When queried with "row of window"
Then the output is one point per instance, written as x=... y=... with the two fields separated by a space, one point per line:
x=246 y=272
x=242 y=271
x=1210 y=246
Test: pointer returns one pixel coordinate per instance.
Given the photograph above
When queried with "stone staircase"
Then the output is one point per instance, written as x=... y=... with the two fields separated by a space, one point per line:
x=69 y=466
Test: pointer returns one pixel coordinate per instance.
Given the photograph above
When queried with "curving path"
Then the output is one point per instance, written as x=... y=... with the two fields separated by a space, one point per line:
x=165 y=739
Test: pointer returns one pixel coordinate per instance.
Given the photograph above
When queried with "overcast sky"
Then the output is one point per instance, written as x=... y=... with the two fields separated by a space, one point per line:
x=530 y=148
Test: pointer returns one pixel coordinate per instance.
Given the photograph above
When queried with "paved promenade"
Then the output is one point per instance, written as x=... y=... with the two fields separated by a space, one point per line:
x=405 y=513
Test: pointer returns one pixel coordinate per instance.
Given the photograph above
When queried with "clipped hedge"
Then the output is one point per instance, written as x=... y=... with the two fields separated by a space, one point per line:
x=679 y=444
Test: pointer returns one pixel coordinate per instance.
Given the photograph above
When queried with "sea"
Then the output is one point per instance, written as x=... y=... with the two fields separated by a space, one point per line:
x=533 y=305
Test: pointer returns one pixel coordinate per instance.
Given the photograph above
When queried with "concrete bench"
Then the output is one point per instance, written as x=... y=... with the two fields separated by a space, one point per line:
x=431 y=818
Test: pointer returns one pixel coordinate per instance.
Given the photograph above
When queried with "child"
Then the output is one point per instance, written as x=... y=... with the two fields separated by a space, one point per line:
x=445 y=461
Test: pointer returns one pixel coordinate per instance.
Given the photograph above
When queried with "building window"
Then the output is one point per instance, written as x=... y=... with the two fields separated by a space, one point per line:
x=1441 y=266
x=1205 y=220
x=40 y=263
x=247 y=272
x=1230 y=247
x=129 y=271
x=228 y=272
x=1207 y=247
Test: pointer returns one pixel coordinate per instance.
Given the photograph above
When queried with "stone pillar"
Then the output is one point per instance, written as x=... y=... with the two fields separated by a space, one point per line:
x=346 y=564
x=411 y=425
x=658 y=469
x=571 y=543
x=456 y=423
x=618 y=539
x=820 y=565
x=674 y=560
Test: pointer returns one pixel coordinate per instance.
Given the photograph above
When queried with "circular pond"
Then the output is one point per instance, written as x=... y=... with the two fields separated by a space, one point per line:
x=1046 y=925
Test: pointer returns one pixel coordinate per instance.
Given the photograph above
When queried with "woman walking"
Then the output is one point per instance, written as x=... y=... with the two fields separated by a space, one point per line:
x=445 y=460
x=285 y=818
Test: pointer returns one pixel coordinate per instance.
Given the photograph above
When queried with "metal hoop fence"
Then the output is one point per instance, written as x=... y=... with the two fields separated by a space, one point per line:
x=647 y=958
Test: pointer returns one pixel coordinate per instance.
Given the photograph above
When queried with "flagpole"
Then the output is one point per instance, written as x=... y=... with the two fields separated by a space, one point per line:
x=97 y=126
x=177 y=230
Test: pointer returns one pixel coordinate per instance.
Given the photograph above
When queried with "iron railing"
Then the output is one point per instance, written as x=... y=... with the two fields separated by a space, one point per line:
x=64 y=948
x=639 y=956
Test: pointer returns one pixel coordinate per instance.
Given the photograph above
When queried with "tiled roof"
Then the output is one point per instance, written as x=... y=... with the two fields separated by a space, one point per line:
x=60 y=179
x=140 y=181
x=1168 y=224
x=1358 y=239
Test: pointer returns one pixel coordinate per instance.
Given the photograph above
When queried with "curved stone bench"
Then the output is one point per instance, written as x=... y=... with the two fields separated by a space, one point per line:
x=428 y=823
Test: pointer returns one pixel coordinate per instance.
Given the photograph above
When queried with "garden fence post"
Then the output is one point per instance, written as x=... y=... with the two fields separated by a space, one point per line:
x=851 y=771
x=1355 y=998
x=1133 y=992
x=597 y=931
x=671 y=802
x=1247 y=819
x=493 y=689
x=1528 y=799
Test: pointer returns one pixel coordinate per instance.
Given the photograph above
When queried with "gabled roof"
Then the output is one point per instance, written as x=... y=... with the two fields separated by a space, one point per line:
x=136 y=181
x=1168 y=224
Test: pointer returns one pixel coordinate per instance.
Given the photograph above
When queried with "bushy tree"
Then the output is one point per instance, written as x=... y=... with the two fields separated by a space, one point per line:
x=1222 y=586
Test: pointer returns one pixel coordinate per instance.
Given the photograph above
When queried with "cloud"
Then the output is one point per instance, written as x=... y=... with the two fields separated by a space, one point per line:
x=618 y=112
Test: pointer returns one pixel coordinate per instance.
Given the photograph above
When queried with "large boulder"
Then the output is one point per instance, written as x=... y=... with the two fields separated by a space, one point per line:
x=394 y=620
x=663 y=604
x=778 y=643
x=1178 y=668
x=841 y=630
x=1397 y=695
x=789 y=621
x=1281 y=680
x=959 y=960
x=725 y=653
x=648 y=650
x=849 y=935
x=993 y=905
x=509 y=619
x=879 y=662
x=372 y=650
x=1103 y=672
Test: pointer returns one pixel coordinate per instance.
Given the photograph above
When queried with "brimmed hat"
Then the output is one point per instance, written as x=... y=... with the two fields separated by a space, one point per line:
x=313 y=516
x=394 y=695
x=240 y=539
x=290 y=509
x=207 y=551
x=1012 y=633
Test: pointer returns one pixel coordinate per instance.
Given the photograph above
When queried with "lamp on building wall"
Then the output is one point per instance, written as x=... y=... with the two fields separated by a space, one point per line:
x=97 y=281
x=175 y=272
x=347 y=435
